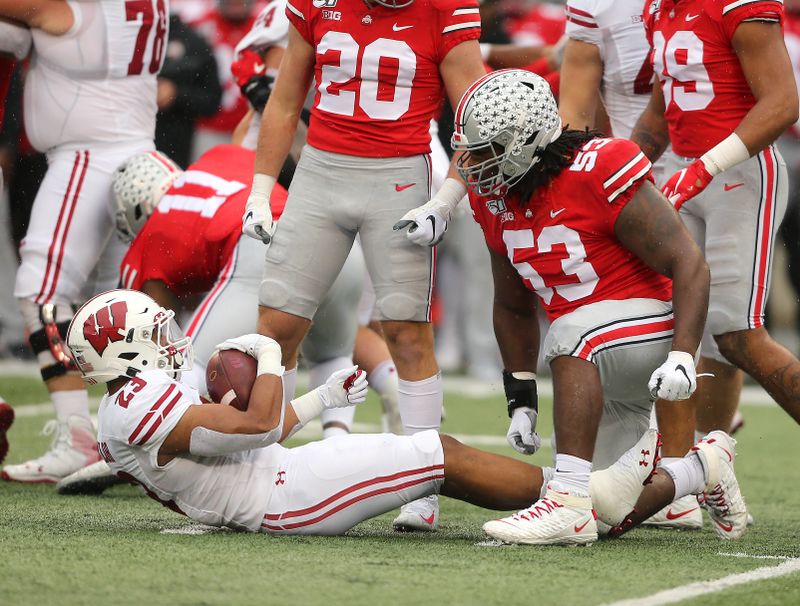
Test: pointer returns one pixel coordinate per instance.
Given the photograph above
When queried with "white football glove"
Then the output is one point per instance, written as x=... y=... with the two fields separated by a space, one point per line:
x=257 y=219
x=675 y=379
x=522 y=432
x=253 y=344
x=346 y=387
x=427 y=223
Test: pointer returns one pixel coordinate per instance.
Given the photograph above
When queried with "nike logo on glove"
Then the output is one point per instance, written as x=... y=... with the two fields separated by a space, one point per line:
x=248 y=216
x=680 y=368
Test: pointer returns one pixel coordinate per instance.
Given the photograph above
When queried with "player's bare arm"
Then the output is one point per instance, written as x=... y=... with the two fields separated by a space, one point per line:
x=651 y=133
x=768 y=70
x=581 y=76
x=502 y=56
x=515 y=323
x=282 y=111
x=649 y=227
x=51 y=16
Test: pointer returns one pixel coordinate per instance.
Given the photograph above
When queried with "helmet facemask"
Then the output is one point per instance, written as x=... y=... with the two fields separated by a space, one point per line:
x=394 y=3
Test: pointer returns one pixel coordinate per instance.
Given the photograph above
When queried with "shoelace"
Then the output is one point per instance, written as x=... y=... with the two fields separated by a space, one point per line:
x=537 y=510
x=716 y=499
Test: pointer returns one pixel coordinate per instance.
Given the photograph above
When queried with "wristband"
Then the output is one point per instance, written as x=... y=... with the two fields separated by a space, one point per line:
x=451 y=193
x=520 y=388
x=725 y=154
x=262 y=185
x=308 y=406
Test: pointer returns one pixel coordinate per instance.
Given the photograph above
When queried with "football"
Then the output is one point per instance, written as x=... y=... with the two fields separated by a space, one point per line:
x=230 y=376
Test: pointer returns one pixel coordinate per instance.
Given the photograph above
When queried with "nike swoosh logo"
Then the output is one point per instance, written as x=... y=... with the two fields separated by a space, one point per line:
x=724 y=526
x=582 y=526
x=429 y=519
x=555 y=213
x=680 y=368
x=400 y=28
x=248 y=216
x=259 y=68
x=433 y=223
x=680 y=514
x=727 y=187
x=398 y=187
x=691 y=17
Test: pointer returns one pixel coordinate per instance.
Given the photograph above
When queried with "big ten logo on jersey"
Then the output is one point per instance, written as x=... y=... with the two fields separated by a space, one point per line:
x=149 y=19
x=196 y=191
x=332 y=15
x=587 y=157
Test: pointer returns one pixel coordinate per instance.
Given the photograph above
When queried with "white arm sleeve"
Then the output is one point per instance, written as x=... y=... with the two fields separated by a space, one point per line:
x=15 y=39
x=204 y=442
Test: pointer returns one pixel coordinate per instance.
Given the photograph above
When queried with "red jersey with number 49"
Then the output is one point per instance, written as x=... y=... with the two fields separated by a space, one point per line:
x=377 y=70
x=563 y=243
x=705 y=90
x=195 y=227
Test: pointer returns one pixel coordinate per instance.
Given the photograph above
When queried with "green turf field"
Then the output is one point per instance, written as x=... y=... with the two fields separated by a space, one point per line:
x=114 y=549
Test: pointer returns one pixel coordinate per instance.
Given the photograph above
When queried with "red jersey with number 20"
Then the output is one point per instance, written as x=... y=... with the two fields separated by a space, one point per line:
x=195 y=227
x=562 y=242
x=377 y=70
x=705 y=91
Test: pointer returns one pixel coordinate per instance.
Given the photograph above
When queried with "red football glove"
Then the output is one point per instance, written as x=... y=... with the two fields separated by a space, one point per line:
x=687 y=183
x=248 y=64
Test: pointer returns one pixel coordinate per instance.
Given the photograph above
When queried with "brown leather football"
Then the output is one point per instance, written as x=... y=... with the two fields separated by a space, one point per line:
x=230 y=376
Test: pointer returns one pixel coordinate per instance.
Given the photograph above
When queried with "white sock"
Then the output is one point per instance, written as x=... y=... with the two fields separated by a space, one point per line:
x=547 y=475
x=573 y=472
x=667 y=460
x=420 y=403
x=317 y=375
x=383 y=376
x=289 y=381
x=688 y=475
x=68 y=403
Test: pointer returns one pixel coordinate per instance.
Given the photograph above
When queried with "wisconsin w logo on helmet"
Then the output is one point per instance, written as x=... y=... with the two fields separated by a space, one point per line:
x=106 y=326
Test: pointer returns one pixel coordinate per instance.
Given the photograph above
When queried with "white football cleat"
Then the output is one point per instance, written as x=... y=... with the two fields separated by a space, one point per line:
x=723 y=499
x=616 y=489
x=684 y=513
x=560 y=517
x=92 y=479
x=421 y=515
x=74 y=446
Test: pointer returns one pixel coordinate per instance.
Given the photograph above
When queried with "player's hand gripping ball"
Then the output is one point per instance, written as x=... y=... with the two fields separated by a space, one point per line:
x=230 y=376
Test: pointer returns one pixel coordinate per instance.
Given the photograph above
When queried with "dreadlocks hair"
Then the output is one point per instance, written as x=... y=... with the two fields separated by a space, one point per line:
x=552 y=160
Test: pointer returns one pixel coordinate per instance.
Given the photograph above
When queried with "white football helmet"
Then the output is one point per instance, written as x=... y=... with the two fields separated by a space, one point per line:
x=502 y=121
x=138 y=185
x=394 y=3
x=120 y=333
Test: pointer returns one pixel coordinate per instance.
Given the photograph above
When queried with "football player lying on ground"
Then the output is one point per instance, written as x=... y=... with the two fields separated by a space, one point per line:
x=576 y=220
x=224 y=467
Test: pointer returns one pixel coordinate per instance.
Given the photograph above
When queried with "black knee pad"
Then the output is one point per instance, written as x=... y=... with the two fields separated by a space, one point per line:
x=41 y=342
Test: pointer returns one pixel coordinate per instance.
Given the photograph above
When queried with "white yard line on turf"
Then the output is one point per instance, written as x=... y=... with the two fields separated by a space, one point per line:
x=693 y=590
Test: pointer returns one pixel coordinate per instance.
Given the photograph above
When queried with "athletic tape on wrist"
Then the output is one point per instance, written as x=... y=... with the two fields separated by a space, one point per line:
x=725 y=154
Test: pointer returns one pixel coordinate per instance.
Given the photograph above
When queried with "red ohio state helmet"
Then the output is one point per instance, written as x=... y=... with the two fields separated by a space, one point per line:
x=120 y=333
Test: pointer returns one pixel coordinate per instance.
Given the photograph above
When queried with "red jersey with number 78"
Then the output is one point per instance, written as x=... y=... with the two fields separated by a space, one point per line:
x=705 y=90
x=562 y=241
x=377 y=70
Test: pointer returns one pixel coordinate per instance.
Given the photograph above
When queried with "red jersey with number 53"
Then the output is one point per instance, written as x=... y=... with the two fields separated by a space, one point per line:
x=188 y=239
x=705 y=90
x=562 y=242
x=377 y=70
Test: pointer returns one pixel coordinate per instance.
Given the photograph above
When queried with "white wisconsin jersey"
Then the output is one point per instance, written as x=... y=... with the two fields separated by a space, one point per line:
x=271 y=28
x=231 y=490
x=97 y=82
x=617 y=29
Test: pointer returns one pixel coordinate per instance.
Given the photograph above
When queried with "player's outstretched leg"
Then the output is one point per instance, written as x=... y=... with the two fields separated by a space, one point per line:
x=708 y=470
